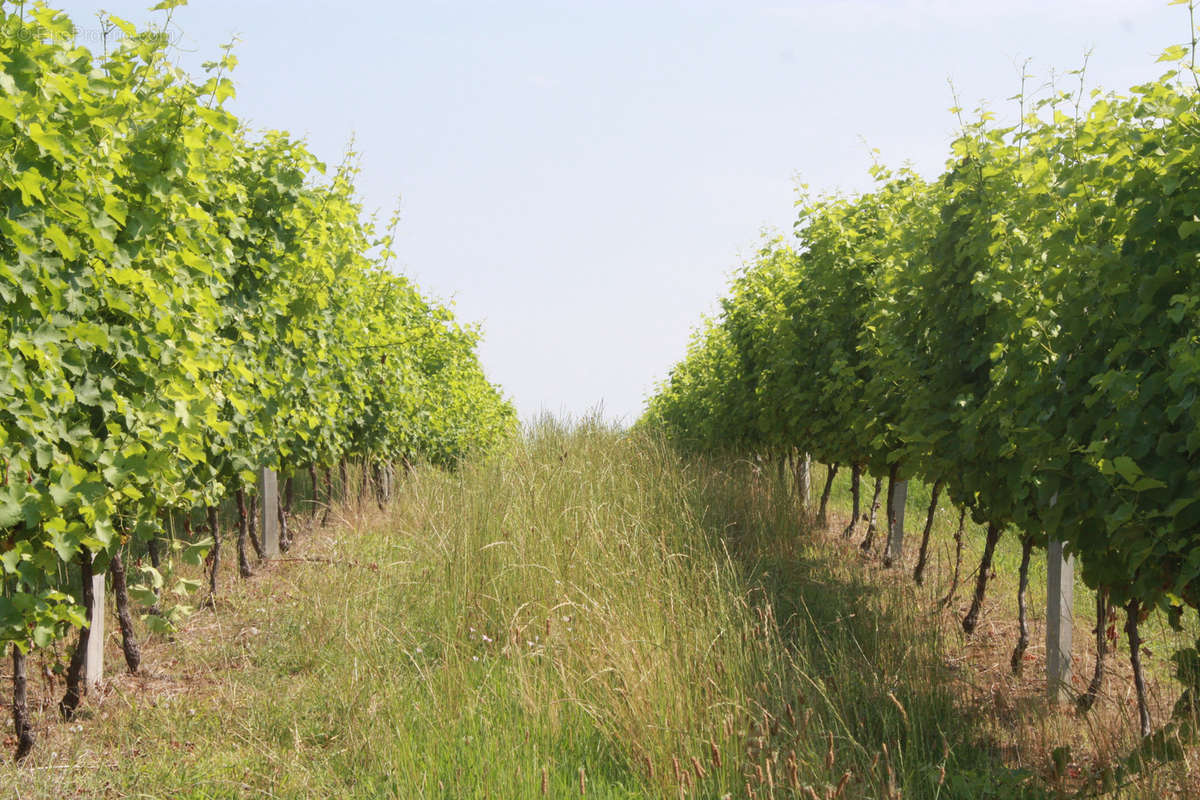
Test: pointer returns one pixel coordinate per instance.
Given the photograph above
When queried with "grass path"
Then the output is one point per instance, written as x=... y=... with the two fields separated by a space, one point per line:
x=585 y=616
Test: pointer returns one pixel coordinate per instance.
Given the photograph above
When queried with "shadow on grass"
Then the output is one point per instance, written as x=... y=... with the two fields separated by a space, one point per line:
x=879 y=700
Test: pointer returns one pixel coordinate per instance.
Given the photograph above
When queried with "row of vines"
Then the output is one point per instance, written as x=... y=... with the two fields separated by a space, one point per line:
x=1022 y=333
x=184 y=302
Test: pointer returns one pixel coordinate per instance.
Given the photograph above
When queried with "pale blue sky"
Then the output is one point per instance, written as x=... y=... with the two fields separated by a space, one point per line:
x=582 y=178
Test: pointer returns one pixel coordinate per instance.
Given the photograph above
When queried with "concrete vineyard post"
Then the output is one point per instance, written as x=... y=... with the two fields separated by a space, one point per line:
x=895 y=543
x=268 y=511
x=804 y=481
x=93 y=670
x=1060 y=604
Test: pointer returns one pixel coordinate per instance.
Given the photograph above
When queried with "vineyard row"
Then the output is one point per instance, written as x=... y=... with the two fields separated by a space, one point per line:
x=185 y=301
x=1022 y=333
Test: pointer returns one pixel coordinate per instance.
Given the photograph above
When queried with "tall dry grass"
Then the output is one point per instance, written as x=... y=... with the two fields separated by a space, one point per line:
x=583 y=615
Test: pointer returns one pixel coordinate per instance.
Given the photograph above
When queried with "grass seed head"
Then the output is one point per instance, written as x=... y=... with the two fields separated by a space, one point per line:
x=896 y=702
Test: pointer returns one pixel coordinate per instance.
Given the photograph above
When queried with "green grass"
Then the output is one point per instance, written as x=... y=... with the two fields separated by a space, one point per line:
x=584 y=604
x=1110 y=731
